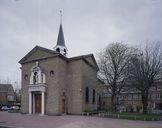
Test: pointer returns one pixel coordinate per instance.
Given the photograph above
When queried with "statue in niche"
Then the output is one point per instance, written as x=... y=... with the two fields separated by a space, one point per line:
x=35 y=77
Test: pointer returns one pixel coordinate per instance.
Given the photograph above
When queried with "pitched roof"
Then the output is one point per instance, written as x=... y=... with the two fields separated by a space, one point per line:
x=84 y=57
x=60 y=38
x=38 y=48
x=5 y=87
x=55 y=54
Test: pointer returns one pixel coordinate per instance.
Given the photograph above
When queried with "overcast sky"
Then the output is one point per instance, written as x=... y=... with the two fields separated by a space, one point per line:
x=88 y=25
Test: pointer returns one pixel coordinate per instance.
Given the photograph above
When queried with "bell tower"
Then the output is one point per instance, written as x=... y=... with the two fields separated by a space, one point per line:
x=60 y=46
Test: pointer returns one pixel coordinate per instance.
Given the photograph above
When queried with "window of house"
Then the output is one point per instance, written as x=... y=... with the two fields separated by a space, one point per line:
x=87 y=95
x=129 y=97
x=153 y=96
x=135 y=96
x=94 y=96
x=158 y=96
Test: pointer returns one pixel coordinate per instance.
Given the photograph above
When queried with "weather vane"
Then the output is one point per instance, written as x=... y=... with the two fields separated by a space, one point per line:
x=60 y=16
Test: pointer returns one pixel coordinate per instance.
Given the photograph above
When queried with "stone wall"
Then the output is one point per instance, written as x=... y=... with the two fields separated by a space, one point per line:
x=74 y=87
x=62 y=84
x=90 y=81
x=25 y=70
x=52 y=90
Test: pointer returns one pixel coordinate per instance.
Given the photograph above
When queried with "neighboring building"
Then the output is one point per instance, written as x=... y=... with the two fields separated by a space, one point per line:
x=6 y=94
x=155 y=96
x=54 y=84
x=131 y=98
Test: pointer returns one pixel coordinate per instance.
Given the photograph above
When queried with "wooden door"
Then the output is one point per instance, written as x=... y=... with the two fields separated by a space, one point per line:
x=37 y=103
x=63 y=105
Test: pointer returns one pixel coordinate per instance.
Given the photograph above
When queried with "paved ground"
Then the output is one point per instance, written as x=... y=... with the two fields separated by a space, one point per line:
x=36 y=121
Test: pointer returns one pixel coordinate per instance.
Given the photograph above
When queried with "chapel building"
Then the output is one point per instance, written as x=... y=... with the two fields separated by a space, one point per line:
x=54 y=84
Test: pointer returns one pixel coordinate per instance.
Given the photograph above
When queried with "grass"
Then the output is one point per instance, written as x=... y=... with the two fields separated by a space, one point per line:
x=135 y=116
x=124 y=115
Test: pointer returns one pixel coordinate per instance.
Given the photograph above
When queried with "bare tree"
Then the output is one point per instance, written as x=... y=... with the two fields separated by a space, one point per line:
x=113 y=64
x=145 y=69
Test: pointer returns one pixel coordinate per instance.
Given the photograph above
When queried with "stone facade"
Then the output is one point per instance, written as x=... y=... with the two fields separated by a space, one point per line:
x=62 y=79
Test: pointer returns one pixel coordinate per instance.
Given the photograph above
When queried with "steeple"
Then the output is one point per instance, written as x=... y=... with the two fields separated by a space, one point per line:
x=60 y=38
x=60 y=46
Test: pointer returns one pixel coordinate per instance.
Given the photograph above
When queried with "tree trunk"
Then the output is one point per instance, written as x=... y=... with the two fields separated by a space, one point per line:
x=113 y=105
x=145 y=101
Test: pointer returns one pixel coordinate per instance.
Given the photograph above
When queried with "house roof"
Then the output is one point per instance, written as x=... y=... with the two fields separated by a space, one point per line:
x=5 y=87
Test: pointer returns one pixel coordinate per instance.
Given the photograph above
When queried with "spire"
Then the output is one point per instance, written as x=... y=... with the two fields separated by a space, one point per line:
x=60 y=38
x=60 y=46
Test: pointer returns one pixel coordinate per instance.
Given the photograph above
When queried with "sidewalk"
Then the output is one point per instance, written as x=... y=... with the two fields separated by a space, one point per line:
x=15 y=120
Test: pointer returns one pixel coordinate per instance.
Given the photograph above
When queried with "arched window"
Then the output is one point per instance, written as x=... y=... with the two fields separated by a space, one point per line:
x=87 y=95
x=58 y=50
x=94 y=98
x=65 y=52
x=26 y=77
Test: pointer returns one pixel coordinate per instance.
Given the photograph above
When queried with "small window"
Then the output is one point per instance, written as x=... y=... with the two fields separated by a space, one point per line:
x=26 y=77
x=52 y=73
x=58 y=50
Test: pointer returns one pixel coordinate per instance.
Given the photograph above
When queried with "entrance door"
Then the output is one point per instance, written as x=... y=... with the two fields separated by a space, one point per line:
x=37 y=103
x=63 y=105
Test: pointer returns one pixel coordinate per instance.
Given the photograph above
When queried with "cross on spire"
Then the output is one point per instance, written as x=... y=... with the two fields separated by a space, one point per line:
x=60 y=16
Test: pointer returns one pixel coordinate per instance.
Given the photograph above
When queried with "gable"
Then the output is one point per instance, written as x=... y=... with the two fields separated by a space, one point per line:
x=91 y=61
x=37 y=53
